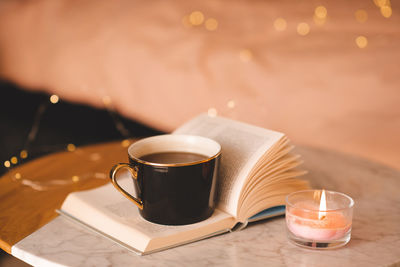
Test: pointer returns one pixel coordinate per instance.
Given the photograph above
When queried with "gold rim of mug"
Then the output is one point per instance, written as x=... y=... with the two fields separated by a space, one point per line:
x=175 y=164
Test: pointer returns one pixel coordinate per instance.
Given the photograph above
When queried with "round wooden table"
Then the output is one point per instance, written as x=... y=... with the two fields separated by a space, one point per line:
x=31 y=230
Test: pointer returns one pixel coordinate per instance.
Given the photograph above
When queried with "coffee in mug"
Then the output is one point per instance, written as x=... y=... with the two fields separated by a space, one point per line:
x=174 y=176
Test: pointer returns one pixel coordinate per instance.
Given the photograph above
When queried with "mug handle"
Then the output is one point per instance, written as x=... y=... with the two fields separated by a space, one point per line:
x=113 y=176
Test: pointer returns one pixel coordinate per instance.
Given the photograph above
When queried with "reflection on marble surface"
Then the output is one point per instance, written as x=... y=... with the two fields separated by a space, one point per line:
x=375 y=237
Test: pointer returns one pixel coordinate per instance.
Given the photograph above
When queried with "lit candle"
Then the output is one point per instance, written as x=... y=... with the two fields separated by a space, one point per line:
x=319 y=219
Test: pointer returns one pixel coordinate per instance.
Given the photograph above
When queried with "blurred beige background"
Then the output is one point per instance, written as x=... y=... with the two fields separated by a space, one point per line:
x=324 y=72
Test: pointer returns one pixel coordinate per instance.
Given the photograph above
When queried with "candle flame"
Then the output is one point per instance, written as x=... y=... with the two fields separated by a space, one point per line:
x=322 y=206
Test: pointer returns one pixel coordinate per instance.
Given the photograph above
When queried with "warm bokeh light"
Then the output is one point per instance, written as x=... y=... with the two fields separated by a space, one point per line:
x=7 y=164
x=321 y=12
x=75 y=178
x=14 y=160
x=212 y=112
x=361 y=41
x=125 y=143
x=246 y=55
x=211 y=24
x=231 y=104
x=71 y=147
x=386 y=11
x=280 y=24
x=106 y=100
x=303 y=28
x=23 y=154
x=196 y=18
x=381 y=3
x=95 y=156
x=361 y=15
x=54 y=99
x=17 y=176
x=320 y=15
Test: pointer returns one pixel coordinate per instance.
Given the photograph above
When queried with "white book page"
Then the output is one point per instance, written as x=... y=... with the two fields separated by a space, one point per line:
x=242 y=146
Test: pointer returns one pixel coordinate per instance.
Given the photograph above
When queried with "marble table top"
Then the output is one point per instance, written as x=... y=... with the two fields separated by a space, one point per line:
x=375 y=235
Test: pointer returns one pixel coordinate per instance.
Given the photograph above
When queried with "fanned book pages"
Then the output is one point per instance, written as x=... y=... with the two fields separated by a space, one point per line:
x=256 y=172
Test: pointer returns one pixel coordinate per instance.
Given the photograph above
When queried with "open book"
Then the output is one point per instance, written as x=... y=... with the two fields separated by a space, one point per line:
x=256 y=172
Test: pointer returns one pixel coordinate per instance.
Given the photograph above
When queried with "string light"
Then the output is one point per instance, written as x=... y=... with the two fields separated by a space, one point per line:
x=95 y=156
x=23 y=154
x=106 y=101
x=14 y=160
x=321 y=12
x=320 y=15
x=381 y=3
x=100 y=175
x=361 y=41
x=125 y=143
x=303 y=28
x=280 y=24
x=386 y=11
x=75 y=178
x=246 y=55
x=361 y=15
x=211 y=24
x=231 y=104
x=71 y=147
x=385 y=7
x=196 y=18
x=212 y=112
x=54 y=99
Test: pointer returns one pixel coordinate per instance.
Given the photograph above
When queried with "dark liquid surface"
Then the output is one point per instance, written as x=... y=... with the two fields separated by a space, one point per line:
x=173 y=157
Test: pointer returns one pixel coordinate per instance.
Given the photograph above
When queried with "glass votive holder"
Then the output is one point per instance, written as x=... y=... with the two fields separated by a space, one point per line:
x=319 y=219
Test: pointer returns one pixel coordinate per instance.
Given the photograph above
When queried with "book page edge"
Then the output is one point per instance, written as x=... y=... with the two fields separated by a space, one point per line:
x=73 y=219
x=130 y=248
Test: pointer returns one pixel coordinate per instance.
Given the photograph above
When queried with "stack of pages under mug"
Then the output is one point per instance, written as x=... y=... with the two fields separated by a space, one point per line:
x=256 y=172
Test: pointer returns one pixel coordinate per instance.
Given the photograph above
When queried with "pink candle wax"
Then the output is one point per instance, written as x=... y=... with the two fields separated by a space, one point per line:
x=305 y=221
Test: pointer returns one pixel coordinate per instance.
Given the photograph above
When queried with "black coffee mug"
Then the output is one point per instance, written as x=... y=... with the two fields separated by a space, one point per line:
x=174 y=176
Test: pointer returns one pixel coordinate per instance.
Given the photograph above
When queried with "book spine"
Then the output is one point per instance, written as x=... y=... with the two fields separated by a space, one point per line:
x=239 y=226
